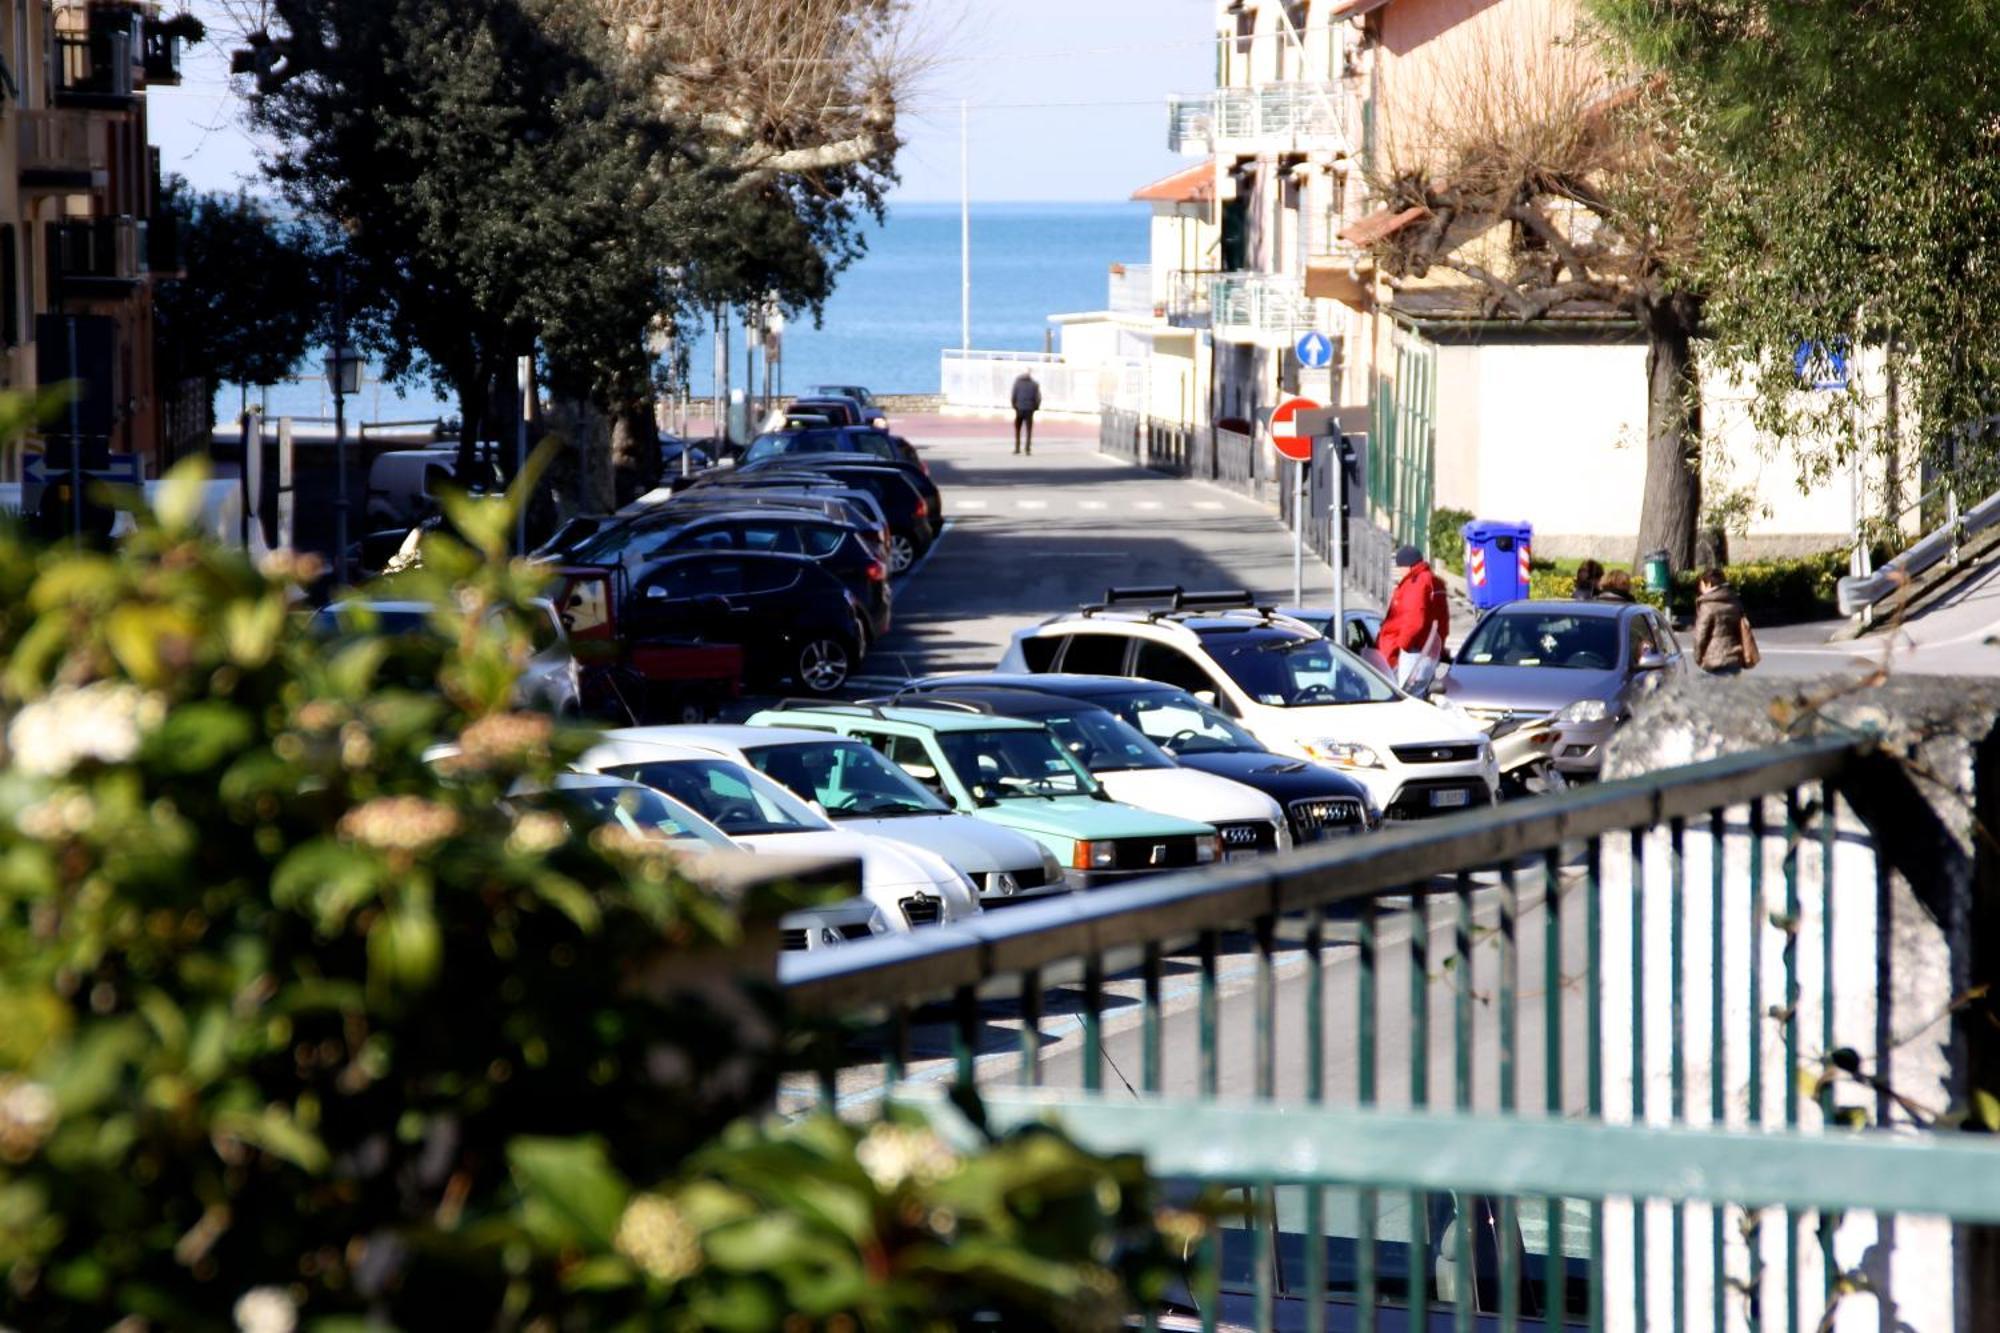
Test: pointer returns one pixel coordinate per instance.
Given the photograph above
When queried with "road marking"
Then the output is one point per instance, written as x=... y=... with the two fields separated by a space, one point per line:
x=1149 y=504
x=925 y=558
x=1093 y=504
x=1031 y=504
x=1209 y=504
x=970 y=504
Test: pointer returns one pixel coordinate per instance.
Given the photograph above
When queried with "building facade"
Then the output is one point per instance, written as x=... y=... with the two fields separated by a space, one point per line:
x=80 y=242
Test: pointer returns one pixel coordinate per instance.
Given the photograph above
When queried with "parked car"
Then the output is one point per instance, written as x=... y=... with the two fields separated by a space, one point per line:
x=1015 y=774
x=910 y=886
x=550 y=680
x=857 y=509
x=1583 y=664
x=907 y=512
x=857 y=443
x=1364 y=626
x=593 y=799
x=633 y=675
x=862 y=792
x=838 y=411
x=403 y=484
x=1131 y=768
x=915 y=474
x=1294 y=690
x=789 y=487
x=793 y=619
x=1320 y=802
x=870 y=412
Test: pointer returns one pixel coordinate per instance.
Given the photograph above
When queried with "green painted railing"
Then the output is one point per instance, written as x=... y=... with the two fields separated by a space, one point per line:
x=1353 y=1034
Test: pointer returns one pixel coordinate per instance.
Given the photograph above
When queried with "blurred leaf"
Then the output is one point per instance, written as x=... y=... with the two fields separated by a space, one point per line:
x=604 y=1273
x=571 y=1194
x=274 y=1131
x=405 y=948
x=326 y=877
x=484 y=523
x=353 y=669
x=1986 y=1109
x=199 y=736
x=251 y=629
x=178 y=500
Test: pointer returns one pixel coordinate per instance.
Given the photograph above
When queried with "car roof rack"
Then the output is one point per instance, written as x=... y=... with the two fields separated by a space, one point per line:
x=1179 y=601
x=865 y=707
x=897 y=700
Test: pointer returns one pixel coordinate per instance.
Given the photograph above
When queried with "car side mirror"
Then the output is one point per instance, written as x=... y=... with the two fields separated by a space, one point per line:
x=1653 y=661
x=656 y=593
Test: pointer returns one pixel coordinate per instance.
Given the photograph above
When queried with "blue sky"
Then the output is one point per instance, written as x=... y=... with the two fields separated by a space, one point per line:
x=1067 y=98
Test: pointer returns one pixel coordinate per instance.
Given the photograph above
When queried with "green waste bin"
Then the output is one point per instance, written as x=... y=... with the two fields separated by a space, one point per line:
x=1656 y=572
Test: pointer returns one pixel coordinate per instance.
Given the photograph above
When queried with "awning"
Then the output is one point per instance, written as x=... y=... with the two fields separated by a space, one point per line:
x=1196 y=185
x=1348 y=9
x=1381 y=225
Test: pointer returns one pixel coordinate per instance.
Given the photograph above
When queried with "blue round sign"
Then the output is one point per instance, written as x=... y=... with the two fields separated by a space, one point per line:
x=1315 y=351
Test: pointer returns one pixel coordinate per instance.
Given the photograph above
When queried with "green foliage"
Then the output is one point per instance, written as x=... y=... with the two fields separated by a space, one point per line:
x=1447 y=536
x=252 y=299
x=299 y=1018
x=1787 y=588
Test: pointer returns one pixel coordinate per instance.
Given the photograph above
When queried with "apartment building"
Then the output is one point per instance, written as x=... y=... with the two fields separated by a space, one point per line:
x=80 y=245
x=1315 y=103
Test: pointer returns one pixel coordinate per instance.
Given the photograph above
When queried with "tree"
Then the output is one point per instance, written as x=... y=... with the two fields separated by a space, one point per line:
x=1853 y=201
x=252 y=299
x=1558 y=187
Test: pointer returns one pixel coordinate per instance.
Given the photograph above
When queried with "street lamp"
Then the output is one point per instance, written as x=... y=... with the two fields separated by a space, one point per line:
x=343 y=376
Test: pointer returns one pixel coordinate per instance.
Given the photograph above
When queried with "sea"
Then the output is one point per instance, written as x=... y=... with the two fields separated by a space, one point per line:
x=894 y=310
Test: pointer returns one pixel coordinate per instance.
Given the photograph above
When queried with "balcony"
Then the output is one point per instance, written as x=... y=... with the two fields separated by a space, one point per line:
x=95 y=258
x=1131 y=290
x=1274 y=118
x=1268 y=309
x=162 y=54
x=93 y=70
x=60 y=152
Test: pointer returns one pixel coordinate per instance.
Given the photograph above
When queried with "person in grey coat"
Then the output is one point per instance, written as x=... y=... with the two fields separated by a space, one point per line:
x=1027 y=399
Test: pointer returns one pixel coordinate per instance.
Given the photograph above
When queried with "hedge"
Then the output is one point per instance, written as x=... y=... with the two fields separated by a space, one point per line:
x=1798 y=588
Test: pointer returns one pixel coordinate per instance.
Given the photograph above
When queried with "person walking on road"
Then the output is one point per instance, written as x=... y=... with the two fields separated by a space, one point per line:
x=1417 y=610
x=1723 y=642
x=1027 y=402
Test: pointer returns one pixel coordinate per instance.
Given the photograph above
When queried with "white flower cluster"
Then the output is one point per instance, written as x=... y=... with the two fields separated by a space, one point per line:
x=654 y=1235
x=266 y=1310
x=893 y=1155
x=399 y=824
x=104 y=722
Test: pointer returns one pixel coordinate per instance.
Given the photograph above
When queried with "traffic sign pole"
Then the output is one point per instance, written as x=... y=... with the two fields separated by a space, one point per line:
x=1299 y=534
x=1337 y=557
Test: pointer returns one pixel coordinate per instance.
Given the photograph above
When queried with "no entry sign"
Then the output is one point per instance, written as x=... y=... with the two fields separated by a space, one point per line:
x=1285 y=433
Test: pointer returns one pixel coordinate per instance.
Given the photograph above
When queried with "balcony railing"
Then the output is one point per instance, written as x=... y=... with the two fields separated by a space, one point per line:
x=1588 y=1059
x=95 y=257
x=1259 y=306
x=1276 y=117
x=59 y=150
x=162 y=56
x=1131 y=290
x=94 y=69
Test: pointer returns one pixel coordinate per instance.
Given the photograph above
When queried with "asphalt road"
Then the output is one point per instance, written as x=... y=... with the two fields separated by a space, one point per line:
x=1958 y=636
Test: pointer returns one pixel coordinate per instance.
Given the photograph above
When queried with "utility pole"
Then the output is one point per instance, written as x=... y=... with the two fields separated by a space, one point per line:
x=964 y=226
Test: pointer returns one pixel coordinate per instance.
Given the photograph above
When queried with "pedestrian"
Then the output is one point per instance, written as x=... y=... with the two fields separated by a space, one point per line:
x=1723 y=642
x=1589 y=581
x=1617 y=587
x=1027 y=401
x=1417 y=610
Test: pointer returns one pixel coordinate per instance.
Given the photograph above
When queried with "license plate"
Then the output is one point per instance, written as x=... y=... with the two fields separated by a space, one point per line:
x=1450 y=800
x=1245 y=855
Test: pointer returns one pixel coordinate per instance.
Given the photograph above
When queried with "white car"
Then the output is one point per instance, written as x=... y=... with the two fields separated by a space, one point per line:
x=913 y=887
x=862 y=792
x=549 y=680
x=1129 y=766
x=640 y=809
x=1295 y=691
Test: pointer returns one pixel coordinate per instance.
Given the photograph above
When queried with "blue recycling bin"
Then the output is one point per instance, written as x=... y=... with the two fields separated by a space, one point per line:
x=1498 y=560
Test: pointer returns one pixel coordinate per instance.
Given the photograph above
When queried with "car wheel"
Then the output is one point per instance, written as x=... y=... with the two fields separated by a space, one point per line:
x=824 y=663
x=902 y=553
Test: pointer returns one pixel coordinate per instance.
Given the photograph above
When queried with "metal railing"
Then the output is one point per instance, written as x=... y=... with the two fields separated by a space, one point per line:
x=1860 y=594
x=1254 y=305
x=61 y=147
x=1163 y=446
x=1587 y=1059
x=985 y=380
x=1276 y=117
x=1236 y=460
x=1188 y=292
x=1118 y=434
x=1130 y=290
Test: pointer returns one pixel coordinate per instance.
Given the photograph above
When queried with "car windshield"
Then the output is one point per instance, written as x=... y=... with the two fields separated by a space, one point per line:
x=1102 y=743
x=727 y=795
x=1008 y=765
x=1560 y=639
x=1183 y=724
x=1293 y=672
x=636 y=809
x=847 y=778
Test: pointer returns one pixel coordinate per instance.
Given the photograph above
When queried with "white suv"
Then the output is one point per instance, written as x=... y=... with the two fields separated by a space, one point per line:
x=1297 y=692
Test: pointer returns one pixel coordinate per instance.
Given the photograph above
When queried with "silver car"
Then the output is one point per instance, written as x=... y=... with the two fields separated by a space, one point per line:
x=1583 y=664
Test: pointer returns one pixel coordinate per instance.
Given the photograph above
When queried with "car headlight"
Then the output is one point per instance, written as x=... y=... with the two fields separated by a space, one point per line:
x=1095 y=855
x=1342 y=754
x=1207 y=848
x=1585 y=710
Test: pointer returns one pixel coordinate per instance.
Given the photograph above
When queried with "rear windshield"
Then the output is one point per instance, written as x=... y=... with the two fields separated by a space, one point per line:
x=727 y=795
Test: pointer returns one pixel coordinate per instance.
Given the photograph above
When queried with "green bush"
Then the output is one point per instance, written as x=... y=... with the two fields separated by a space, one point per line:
x=1447 y=537
x=1786 y=588
x=292 y=1016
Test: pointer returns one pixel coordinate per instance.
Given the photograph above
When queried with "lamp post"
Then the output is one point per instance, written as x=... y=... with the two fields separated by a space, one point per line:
x=343 y=376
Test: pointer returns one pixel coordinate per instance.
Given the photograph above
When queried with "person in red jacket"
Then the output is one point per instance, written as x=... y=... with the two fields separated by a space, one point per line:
x=1418 y=607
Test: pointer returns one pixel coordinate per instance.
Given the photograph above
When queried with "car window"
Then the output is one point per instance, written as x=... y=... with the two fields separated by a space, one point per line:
x=1184 y=725
x=727 y=795
x=1095 y=654
x=1664 y=632
x=1170 y=666
x=1007 y=765
x=637 y=810
x=1287 y=672
x=1543 y=639
x=676 y=581
x=819 y=539
x=909 y=754
x=767 y=535
x=1102 y=743
x=1039 y=651
x=716 y=537
x=1640 y=639
x=1358 y=638
x=847 y=778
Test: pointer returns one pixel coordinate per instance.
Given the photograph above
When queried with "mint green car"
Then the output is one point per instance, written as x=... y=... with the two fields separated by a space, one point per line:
x=1015 y=774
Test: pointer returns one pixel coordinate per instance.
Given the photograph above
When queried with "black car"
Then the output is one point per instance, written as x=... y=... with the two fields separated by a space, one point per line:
x=793 y=619
x=1319 y=802
x=907 y=512
x=914 y=473
x=839 y=549
x=799 y=489
x=838 y=410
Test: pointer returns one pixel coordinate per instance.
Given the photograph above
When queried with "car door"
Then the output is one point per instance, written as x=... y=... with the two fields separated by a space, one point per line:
x=689 y=598
x=771 y=608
